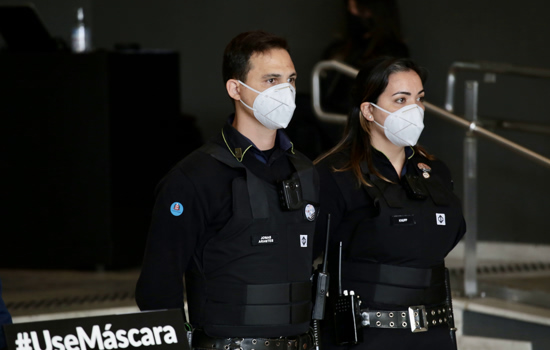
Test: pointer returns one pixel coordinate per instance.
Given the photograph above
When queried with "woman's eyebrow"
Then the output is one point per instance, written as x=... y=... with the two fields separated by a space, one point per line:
x=402 y=92
x=407 y=93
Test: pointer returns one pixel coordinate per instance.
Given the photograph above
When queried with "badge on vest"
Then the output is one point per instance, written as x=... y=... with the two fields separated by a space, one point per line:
x=403 y=220
x=303 y=241
x=310 y=212
x=425 y=170
x=268 y=239
x=440 y=219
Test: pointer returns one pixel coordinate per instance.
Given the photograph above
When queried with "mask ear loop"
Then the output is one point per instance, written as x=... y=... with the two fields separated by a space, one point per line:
x=382 y=109
x=256 y=91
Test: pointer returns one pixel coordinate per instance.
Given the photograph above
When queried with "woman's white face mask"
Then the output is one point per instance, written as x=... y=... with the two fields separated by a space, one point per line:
x=275 y=106
x=404 y=126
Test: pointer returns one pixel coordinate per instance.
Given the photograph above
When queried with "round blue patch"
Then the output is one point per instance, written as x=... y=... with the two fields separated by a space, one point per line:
x=176 y=208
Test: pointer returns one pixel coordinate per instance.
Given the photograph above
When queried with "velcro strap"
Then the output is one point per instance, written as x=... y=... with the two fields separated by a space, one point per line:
x=262 y=294
x=308 y=178
x=393 y=275
x=250 y=315
x=386 y=294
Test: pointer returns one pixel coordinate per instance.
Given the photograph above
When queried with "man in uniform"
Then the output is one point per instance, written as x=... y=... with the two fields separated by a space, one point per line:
x=236 y=217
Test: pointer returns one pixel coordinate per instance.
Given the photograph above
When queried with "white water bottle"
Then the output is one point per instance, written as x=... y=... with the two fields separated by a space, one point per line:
x=81 y=37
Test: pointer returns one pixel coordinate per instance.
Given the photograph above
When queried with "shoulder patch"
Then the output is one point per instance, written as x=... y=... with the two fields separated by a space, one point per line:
x=176 y=208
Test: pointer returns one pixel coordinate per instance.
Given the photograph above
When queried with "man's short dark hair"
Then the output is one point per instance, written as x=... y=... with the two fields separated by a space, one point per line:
x=236 y=57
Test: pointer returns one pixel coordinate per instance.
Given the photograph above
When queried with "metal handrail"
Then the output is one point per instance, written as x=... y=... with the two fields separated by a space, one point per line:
x=488 y=67
x=316 y=88
x=440 y=112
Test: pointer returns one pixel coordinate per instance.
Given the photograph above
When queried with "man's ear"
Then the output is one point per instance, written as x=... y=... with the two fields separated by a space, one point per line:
x=233 y=89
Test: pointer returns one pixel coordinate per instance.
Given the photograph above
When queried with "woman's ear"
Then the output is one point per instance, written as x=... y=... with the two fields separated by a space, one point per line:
x=232 y=86
x=366 y=111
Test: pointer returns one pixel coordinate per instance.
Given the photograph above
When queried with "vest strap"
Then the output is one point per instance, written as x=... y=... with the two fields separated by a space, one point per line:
x=437 y=192
x=256 y=315
x=393 y=275
x=308 y=177
x=258 y=197
x=386 y=294
x=259 y=294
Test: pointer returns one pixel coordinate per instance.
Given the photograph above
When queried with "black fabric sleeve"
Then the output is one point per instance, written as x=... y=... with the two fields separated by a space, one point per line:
x=444 y=173
x=171 y=243
x=333 y=203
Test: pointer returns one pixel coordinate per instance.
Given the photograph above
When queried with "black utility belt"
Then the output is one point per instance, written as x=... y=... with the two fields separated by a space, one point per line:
x=416 y=318
x=201 y=340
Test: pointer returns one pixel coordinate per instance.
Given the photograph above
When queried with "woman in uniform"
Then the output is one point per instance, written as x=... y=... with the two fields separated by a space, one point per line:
x=394 y=214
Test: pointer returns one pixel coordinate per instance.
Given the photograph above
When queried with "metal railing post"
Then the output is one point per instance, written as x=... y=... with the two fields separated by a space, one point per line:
x=470 y=192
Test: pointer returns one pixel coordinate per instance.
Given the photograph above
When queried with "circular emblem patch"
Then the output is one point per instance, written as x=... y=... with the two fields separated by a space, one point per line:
x=176 y=208
x=310 y=212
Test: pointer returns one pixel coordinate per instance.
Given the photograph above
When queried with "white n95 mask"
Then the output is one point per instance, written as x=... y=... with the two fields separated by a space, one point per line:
x=275 y=106
x=404 y=126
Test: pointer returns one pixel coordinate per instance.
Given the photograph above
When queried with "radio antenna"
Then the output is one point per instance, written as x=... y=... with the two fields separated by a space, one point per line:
x=326 y=244
x=340 y=270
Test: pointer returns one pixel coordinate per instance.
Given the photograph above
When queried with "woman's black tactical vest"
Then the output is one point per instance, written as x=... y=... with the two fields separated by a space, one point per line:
x=418 y=219
x=254 y=277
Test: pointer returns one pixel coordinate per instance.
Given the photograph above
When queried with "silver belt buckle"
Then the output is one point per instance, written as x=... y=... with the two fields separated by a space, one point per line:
x=418 y=318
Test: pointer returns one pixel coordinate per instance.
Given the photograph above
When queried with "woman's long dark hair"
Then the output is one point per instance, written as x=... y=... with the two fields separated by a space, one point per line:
x=369 y=84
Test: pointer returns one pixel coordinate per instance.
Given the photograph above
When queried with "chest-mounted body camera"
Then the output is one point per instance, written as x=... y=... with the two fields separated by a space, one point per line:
x=290 y=194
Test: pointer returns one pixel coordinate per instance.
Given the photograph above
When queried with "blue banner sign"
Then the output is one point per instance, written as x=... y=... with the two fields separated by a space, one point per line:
x=155 y=330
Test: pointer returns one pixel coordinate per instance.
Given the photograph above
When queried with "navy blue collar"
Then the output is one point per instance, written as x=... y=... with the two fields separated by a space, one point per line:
x=386 y=168
x=240 y=145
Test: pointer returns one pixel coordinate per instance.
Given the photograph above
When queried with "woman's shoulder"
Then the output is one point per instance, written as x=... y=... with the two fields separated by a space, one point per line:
x=437 y=167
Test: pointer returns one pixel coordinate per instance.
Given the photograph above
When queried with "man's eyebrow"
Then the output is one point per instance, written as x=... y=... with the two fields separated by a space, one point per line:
x=271 y=75
x=275 y=75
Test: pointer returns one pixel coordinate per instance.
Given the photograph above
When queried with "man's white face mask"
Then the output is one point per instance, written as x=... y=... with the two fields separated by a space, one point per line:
x=404 y=126
x=275 y=106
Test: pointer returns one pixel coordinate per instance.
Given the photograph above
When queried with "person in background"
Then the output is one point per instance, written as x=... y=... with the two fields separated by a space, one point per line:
x=5 y=318
x=373 y=30
x=237 y=216
x=395 y=215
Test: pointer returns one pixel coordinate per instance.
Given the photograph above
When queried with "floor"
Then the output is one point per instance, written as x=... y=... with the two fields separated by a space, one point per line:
x=33 y=292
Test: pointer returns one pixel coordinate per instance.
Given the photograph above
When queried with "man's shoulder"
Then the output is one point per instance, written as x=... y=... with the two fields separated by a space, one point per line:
x=198 y=163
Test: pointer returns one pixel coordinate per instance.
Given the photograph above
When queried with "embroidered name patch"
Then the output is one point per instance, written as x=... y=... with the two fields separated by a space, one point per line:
x=402 y=220
x=268 y=239
x=440 y=219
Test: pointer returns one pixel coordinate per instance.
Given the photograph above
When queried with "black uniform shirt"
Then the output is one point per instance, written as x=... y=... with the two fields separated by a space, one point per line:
x=202 y=187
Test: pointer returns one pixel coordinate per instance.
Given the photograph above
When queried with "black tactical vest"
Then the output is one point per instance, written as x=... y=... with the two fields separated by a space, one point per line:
x=408 y=229
x=254 y=277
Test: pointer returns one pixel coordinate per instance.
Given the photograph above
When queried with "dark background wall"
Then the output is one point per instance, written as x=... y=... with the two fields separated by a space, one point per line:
x=513 y=191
